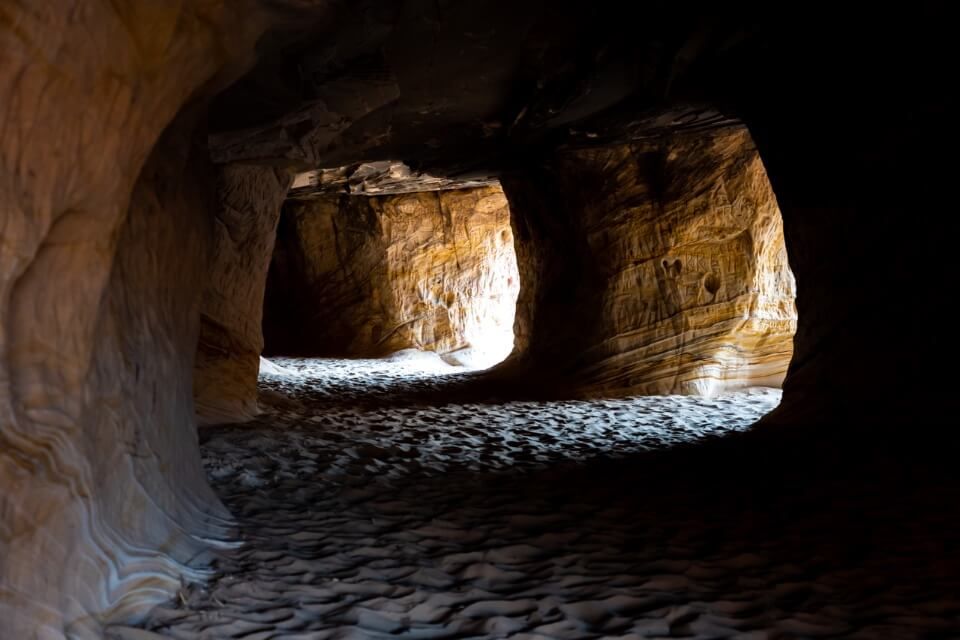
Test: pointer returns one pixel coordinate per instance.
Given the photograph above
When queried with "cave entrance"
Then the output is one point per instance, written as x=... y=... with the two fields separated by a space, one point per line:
x=431 y=274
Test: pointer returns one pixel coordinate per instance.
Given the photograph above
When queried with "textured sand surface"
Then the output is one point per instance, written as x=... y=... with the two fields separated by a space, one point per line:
x=381 y=499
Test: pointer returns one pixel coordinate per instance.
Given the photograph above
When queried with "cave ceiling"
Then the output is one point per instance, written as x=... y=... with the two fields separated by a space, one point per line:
x=453 y=89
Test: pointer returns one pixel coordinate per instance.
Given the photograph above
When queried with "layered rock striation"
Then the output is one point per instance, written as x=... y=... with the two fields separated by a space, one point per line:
x=653 y=267
x=104 y=507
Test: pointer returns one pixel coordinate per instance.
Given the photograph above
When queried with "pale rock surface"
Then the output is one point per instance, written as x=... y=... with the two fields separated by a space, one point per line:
x=268 y=368
x=112 y=506
x=103 y=506
x=654 y=267
x=367 y=276
x=228 y=353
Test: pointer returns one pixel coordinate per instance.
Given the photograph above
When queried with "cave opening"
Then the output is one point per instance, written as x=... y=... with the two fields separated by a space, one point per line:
x=391 y=495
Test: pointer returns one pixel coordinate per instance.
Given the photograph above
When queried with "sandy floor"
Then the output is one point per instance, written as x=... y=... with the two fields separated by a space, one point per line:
x=372 y=509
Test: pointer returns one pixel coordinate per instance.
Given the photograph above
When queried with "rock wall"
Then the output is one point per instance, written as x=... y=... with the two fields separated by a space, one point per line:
x=103 y=500
x=366 y=276
x=110 y=476
x=231 y=339
x=653 y=267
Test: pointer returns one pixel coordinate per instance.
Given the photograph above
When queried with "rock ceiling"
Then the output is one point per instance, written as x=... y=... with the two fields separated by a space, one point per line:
x=454 y=89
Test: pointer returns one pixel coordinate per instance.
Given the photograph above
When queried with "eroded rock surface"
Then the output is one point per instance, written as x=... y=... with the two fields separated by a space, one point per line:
x=380 y=178
x=654 y=267
x=357 y=276
x=228 y=353
x=103 y=503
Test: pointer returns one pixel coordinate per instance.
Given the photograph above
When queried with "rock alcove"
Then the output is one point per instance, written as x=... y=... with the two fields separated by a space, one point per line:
x=660 y=164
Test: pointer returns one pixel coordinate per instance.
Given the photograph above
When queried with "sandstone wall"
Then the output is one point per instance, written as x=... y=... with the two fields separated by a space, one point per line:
x=110 y=473
x=653 y=267
x=367 y=276
x=231 y=339
x=103 y=499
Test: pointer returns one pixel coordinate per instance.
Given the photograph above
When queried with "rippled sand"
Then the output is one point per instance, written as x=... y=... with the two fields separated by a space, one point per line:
x=387 y=499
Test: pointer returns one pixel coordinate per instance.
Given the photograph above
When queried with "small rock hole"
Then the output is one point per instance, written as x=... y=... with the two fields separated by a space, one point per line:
x=712 y=283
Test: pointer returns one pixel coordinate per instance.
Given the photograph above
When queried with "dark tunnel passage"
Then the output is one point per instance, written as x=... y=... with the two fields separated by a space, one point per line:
x=580 y=321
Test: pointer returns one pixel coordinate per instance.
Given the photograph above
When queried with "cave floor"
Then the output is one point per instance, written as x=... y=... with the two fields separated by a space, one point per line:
x=381 y=499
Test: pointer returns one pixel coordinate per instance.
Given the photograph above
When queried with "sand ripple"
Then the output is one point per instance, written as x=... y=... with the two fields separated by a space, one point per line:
x=378 y=502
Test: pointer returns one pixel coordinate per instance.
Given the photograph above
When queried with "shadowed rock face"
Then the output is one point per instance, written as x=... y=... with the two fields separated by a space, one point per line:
x=368 y=276
x=106 y=473
x=104 y=506
x=653 y=267
x=228 y=354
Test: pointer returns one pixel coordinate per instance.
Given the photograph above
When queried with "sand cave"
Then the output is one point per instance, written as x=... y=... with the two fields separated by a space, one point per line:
x=377 y=319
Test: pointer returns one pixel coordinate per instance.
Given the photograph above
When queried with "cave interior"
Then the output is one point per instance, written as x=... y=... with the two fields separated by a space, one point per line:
x=486 y=319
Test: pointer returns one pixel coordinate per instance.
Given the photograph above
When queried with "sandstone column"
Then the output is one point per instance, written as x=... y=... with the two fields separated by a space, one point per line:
x=652 y=267
x=868 y=227
x=231 y=339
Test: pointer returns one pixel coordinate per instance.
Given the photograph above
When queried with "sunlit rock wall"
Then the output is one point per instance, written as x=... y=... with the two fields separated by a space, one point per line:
x=653 y=267
x=228 y=353
x=367 y=276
